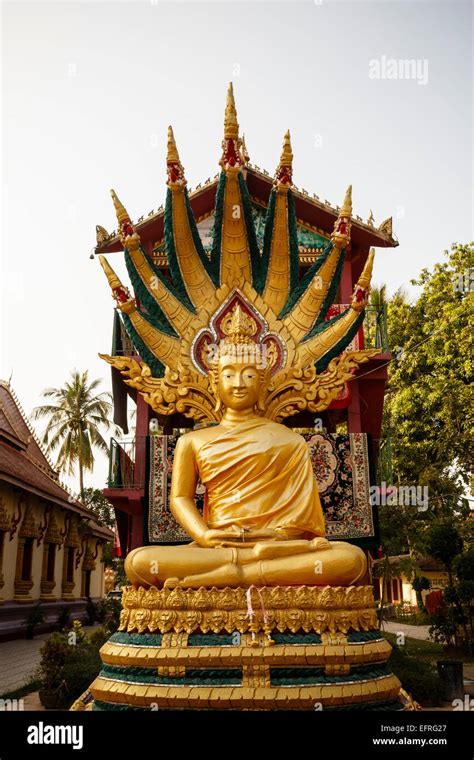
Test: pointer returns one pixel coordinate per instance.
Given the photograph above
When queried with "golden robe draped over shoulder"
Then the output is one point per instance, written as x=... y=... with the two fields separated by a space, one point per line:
x=258 y=474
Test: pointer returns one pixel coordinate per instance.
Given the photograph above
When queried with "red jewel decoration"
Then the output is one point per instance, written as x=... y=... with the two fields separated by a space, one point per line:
x=127 y=229
x=231 y=157
x=120 y=294
x=173 y=173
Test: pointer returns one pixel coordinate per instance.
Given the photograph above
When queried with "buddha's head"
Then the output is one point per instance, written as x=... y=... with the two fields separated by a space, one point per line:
x=239 y=384
x=241 y=369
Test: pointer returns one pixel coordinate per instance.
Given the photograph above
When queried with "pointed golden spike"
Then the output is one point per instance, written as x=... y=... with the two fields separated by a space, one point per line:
x=286 y=158
x=362 y=288
x=172 y=155
x=277 y=283
x=231 y=125
x=235 y=263
x=198 y=283
x=342 y=227
x=120 y=210
x=174 y=167
x=346 y=209
x=284 y=172
x=112 y=277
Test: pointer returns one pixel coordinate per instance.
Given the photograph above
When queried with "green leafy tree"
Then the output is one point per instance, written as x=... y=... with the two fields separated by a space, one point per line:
x=76 y=416
x=428 y=416
x=94 y=499
x=444 y=543
x=428 y=409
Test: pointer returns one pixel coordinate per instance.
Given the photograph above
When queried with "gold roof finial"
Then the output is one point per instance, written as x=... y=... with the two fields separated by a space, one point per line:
x=286 y=153
x=173 y=155
x=346 y=209
x=231 y=125
x=120 y=210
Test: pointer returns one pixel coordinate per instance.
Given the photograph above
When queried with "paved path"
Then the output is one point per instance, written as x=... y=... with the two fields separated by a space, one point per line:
x=19 y=660
x=410 y=631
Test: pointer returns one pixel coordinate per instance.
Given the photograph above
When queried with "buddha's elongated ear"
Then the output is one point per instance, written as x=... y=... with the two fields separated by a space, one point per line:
x=264 y=378
x=213 y=385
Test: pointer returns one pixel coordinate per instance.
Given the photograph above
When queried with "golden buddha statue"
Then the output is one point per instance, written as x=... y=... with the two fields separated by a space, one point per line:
x=237 y=341
x=263 y=523
x=249 y=348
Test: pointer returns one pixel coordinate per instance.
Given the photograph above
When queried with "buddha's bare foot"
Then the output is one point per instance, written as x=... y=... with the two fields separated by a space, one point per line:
x=227 y=575
x=319 y=544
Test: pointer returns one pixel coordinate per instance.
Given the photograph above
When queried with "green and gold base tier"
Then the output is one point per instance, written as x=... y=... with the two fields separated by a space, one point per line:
x=291 y=648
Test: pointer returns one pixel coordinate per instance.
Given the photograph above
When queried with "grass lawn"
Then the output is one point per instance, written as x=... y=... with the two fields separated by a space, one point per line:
x=428 y=651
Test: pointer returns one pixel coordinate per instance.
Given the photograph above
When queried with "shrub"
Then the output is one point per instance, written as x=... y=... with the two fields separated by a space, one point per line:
x=70 y=661
x=420 y=679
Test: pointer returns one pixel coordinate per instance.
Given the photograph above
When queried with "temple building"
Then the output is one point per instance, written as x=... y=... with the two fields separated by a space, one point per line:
x=50 y=544
x=352 y=423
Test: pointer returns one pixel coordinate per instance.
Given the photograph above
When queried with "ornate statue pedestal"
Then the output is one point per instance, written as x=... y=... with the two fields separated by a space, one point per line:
x=301 y=648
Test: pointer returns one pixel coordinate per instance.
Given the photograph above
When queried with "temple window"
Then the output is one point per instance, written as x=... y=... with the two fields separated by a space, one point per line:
x=51 y=562
x=27 y=559
x=70 y=564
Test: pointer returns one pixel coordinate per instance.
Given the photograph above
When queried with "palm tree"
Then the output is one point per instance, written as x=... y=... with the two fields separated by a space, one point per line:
x=75 y=416
x=377 y=298
x=378 y=308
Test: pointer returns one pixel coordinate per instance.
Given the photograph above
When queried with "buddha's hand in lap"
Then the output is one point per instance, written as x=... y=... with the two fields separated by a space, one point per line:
x=236 y=537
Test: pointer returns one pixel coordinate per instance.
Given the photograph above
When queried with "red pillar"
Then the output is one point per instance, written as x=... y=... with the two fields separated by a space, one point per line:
x=354 y=422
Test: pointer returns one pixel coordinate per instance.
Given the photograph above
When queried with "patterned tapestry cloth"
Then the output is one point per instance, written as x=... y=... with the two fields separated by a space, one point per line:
x=341 y=467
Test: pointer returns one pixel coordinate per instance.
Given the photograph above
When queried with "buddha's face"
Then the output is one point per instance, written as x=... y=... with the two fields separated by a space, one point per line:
x=238 y=384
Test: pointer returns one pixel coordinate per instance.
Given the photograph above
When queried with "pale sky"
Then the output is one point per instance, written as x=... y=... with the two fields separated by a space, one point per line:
x=88 y=90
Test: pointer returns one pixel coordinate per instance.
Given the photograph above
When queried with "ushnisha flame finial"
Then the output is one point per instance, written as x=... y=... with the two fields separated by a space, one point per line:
x=174 y=166
x=285 y=167
x=125 y=226
x=238 y=326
